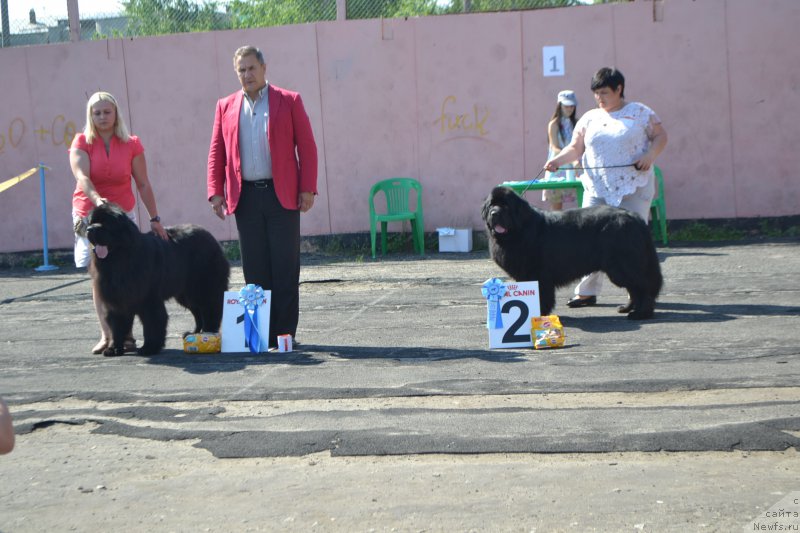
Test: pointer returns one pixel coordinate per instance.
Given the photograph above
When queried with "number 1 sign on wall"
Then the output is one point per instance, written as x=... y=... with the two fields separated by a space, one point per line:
x=553 y=60
x=510 y=307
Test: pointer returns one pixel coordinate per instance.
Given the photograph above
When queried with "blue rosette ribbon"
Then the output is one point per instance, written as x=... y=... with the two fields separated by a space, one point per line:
x=493 y=290
x=249 y=297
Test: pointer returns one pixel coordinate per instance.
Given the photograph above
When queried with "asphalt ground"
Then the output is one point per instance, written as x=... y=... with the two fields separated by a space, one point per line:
x=393 y=415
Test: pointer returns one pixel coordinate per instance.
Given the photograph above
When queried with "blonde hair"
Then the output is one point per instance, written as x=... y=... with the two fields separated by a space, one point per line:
x=120 y=129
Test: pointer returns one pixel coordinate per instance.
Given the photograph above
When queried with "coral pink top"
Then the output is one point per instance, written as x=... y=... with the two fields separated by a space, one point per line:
x=110 y=173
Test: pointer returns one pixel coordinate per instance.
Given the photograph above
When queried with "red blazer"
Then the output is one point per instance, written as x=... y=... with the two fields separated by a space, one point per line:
x=288 y=128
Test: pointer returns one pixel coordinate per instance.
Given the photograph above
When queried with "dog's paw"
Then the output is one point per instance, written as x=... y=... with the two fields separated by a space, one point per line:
x=113 y=352
x=148 y=349
x=641 y=315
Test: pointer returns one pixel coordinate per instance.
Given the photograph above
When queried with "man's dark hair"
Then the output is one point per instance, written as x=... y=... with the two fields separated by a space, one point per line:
x=248 y=51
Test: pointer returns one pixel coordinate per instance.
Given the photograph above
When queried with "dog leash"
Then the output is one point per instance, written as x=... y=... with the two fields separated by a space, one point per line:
x=538 y=176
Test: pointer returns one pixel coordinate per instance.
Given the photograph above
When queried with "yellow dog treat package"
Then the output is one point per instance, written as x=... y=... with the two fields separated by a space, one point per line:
x=202 y=343
x=547 y=332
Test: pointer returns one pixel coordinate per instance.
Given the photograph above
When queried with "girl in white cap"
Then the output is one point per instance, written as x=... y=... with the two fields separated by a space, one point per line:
x=559 y=134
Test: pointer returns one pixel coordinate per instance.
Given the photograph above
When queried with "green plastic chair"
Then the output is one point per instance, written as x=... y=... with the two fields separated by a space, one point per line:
x=397 y=192
x=658 y=209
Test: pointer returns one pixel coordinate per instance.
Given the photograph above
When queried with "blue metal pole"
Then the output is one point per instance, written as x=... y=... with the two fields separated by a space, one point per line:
x=43 y=196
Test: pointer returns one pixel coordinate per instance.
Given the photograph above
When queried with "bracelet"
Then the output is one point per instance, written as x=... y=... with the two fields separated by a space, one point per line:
x=155 y=219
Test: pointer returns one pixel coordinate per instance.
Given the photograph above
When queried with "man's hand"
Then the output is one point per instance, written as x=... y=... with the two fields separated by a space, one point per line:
x=305 y=201
x=218 y=206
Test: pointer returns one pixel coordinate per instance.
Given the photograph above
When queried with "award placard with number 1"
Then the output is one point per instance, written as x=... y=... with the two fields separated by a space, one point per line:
x=553 y=61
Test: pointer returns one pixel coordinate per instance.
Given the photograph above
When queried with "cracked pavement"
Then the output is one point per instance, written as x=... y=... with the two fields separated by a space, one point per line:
x=698 y=409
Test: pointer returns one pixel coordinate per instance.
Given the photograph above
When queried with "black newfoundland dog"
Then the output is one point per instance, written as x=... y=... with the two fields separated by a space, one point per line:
x=137 y=272
x=556 y=248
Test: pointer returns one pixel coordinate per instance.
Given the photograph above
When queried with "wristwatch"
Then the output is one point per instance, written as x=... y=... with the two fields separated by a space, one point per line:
x=155 y=219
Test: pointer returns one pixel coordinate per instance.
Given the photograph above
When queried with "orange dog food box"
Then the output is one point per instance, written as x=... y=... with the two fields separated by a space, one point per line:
x=202 y=343
x=547 y=332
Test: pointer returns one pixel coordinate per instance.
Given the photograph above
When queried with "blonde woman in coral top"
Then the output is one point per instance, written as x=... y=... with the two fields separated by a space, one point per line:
x=103 y=160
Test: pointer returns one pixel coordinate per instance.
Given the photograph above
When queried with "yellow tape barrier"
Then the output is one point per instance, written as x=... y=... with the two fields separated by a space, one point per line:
x=13 y=181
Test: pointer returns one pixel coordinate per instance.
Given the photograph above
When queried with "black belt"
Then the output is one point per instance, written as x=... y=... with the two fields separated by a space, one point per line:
x=258 y=184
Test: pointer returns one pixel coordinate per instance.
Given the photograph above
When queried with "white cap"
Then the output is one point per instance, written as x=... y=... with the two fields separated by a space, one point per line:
x=567 y=98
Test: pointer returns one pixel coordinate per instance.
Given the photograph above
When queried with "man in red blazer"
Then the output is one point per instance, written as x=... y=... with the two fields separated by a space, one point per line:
x=262 y=168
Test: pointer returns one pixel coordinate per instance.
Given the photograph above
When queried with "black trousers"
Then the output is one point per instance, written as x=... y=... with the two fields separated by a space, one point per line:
x=269 y=240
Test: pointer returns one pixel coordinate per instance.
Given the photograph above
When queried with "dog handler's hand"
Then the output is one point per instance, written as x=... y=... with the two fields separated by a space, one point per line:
x=158 y=229
x=218 y=206
x=550 y=166
x=644 y=162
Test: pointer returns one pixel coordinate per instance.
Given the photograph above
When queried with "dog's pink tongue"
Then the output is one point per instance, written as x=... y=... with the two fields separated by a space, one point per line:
x=101 y=251
x=499 y=229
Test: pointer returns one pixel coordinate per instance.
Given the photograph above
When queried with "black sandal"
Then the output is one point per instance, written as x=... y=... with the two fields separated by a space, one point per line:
x=577 y=301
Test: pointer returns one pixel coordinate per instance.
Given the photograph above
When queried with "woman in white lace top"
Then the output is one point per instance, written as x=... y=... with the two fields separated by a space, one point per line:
x=617 y=143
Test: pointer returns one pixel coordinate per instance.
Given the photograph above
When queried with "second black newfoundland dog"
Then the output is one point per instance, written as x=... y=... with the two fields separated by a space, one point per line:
x=137 y=272
x=556 y=248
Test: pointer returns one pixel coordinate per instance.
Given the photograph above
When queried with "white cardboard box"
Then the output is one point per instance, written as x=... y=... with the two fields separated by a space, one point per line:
x=455 y=240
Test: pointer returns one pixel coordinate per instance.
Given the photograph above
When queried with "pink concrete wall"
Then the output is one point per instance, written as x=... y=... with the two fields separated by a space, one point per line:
x=369 y=100
x=458 y=102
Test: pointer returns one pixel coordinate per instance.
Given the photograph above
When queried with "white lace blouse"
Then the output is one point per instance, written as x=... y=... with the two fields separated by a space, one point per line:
x=611 y=140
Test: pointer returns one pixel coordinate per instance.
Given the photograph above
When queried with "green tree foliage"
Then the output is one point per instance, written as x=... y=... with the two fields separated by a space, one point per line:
x=369 y=9
x=158 y=17
x=508 y=5
x=260 y=13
